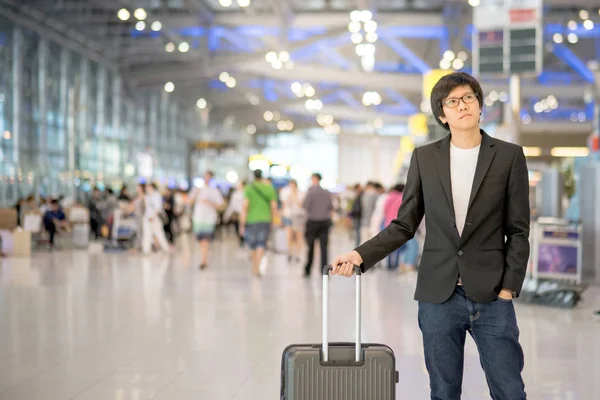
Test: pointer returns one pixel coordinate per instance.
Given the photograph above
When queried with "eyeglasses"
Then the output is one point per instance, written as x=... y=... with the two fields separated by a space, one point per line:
x=455 y=101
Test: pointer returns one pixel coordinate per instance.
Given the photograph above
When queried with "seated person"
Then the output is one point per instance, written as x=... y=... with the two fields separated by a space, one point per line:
x=54 y=219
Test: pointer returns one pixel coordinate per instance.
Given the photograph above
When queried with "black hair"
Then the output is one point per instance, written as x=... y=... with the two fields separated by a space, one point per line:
x=209 y=172
x=399 y=187
x=258 y=174
x=54 y=202
x=317 y=176
x=445 y=85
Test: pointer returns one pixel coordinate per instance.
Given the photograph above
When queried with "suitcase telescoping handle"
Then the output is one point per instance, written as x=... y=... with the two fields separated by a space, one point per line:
x=357 y=351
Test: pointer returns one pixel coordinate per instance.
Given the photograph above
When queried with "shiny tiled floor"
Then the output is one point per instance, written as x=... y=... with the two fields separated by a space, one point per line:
x=82 y=326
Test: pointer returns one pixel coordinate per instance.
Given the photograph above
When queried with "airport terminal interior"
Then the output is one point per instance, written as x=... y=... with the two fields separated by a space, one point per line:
x=156 y=158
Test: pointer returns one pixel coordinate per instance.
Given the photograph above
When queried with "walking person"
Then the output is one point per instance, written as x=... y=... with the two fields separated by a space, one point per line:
x=293 y=218
x=475 y=190
x=318 y=206
x=207 y=202
x=152 y=223
x=258 y=211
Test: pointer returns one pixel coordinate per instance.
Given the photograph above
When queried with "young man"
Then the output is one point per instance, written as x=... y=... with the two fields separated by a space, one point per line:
x=260 y=206
x=207 y=201
x=474 y=190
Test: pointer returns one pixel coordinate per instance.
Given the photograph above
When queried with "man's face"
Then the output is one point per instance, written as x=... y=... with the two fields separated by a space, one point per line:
x=207 y=178
x=461 y=109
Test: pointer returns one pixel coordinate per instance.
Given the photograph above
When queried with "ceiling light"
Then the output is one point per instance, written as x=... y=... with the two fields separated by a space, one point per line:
x=449 y=55
x=140 y=14
x=532 y=151
x=552 y=102
x=169 y=87
x=140 y=25
x=251 y=129
x=572 y=38
x=570 y=152
x=526 y=118
x=503 y=97
x=289 y=125
x=170 y=47
x=309 y=91
x=572 y=25
x=297 y=88
x=370 y=26
x=281 y=125
x=538 y=107
x=277 y=64
x=583 y=14
x=355 y=16
x=184 y=47
x=371 y=37
x=458 y=63
x=268 y=116
x=223 y=76
x=494 y=95
x=271 y=56
x=366 y=15
x=243 y=3
x=473 y=3
x=201 y=104
x=354 y=27
x=156 y=26
x=309 y=104
x=588 y=24
x=462 y=55
x=231 y=82
x=356 y=38
x=488 y=102
x=7 y=135
x=445 y=64
x=318 y=104
x=367 y=63
x=558 y=38
x=123 y=14
x=581 y=117
x=225 y=3
x=284 y=56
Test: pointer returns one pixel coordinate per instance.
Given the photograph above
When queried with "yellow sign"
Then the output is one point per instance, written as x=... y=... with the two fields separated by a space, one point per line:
x=417 y=125
x=430 y=79
x=407 y=145
x=201 y=145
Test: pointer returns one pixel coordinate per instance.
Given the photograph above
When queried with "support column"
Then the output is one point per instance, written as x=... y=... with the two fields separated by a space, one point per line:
x=100 y=118
x=117 y=104
x=81 y=111
x=42 y=144
x=17 y=92
x=153 y=128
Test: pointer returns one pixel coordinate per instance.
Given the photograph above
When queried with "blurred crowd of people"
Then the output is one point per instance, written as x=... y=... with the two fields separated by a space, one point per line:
x=284 y=219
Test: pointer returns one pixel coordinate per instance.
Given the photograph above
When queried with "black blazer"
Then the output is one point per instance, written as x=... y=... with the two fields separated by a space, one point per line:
x=492 y=252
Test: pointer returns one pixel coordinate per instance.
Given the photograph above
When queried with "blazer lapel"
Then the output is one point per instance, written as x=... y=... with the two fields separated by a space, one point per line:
x=442 y=162
x=487 y=151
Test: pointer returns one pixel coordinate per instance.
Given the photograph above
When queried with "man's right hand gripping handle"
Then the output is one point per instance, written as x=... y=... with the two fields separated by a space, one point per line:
x=344 y=264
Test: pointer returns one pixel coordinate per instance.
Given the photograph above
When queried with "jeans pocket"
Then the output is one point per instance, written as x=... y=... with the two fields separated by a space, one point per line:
x=501 y=300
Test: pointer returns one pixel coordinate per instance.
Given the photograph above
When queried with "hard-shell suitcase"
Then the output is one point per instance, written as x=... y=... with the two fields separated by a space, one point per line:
x=338 y=371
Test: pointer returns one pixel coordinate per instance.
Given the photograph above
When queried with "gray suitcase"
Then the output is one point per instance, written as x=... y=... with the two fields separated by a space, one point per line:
x=338 y=371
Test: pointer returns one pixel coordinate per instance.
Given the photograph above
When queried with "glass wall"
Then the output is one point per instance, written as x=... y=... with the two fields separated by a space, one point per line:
x=66 y=124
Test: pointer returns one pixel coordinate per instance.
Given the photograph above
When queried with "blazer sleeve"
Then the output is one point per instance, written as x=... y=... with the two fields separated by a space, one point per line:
x=404 y=227
x=517 y=224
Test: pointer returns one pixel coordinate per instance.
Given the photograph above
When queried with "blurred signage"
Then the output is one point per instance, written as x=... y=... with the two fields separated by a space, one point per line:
x=204 y=145
x=508 y=37
x=430 y=79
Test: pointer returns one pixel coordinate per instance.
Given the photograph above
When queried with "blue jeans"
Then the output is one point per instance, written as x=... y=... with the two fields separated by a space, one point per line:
x=493 y=326
x=409 y=252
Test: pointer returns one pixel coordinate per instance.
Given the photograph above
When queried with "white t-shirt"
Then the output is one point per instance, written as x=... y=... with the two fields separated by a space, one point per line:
x=463 y=163
x=291 y=207
x=206 y=213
